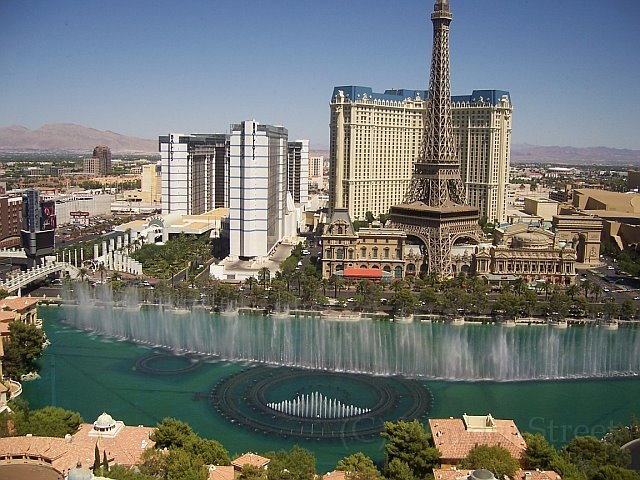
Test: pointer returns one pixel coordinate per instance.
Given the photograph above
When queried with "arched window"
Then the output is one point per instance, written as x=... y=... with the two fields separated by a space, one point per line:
x=340 y=253
x=397 y=272
x=386 y=253
x=363 y=252
x=375 y=252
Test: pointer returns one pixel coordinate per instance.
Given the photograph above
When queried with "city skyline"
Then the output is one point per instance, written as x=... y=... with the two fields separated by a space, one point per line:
x=148 y=68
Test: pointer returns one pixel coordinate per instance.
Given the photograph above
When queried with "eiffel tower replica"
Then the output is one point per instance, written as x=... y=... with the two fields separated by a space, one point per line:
x=435 y=208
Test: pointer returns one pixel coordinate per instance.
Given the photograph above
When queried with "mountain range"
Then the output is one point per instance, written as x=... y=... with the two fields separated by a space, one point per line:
x=67 y=137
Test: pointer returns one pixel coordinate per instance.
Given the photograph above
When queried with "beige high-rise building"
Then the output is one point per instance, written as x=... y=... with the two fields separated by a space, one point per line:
x=151 y=183
x=376 y=137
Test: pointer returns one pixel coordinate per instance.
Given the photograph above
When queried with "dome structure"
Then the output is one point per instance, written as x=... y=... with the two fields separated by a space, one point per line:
x=530 y=240
x=104 y=423
x=80 y=473
x=481 y=474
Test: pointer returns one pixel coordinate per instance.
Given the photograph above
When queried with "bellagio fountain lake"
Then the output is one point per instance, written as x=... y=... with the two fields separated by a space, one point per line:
x=377 y=347
x=263 y=383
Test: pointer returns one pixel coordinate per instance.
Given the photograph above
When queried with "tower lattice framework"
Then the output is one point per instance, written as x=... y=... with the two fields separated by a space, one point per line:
x=435 y=207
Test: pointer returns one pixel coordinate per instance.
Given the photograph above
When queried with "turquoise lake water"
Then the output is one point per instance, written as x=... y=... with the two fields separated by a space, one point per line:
x=90 y=374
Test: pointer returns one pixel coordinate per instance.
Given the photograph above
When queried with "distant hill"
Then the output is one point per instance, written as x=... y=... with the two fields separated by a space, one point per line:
x=525 y=153
x=68 y=137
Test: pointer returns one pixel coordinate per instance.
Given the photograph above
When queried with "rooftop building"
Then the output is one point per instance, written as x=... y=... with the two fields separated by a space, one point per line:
x=456 y=437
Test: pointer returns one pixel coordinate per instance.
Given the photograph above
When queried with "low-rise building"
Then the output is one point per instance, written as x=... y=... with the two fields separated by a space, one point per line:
x=371 y=253
x=528 y=252
x=121 y=444
x=252 y=459
x=456 y=437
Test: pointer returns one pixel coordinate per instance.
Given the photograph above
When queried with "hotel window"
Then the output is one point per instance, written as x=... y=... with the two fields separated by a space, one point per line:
x=363 y=252
x=375 y=252
x=340 y=253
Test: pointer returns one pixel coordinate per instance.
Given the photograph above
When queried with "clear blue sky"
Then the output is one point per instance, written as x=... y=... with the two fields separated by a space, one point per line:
x=148 y=67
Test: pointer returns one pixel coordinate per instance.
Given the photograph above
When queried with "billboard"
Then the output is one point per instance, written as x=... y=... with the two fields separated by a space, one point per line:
x=48 y=215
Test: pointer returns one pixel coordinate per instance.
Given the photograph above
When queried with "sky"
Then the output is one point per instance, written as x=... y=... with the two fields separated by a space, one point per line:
x=149 y=67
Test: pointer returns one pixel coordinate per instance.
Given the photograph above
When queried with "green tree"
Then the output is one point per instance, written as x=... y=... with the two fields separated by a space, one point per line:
x=47 y=422
x=398 y=470
x=404 y=301
x=611 y=308
x=628 y=309
x=118 y=472
x=23 y=349
x=359 y=467
x=411 y=444
x=539 y=453
x=588 y=454
x=429 y=297
x=210 y=451
x=493 y=458
x=171 y=433
x=622 y=434
x=264 y=276
x=252 y=472
x=183 y=465
x=369 y=217
x=610 y=472
x=297 y=464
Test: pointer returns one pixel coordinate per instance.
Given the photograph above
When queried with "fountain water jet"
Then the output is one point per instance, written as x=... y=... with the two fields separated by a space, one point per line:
x=430 y=350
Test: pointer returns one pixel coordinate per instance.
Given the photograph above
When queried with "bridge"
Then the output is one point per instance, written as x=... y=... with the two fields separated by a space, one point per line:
x=14 y=282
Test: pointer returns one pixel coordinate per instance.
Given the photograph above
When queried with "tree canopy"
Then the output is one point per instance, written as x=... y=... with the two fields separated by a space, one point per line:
x=411 y=444
x=296 y=464
x=493 y=458
x=47 y=422
x=24 y=347
x=589 y=454
x=359 y=467
x=539 y=453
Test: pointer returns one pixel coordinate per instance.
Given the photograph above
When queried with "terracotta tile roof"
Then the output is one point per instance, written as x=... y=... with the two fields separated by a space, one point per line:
x=455 y=441
x=18 y=303
x=7 y=316
x=64 y=453
x=463 y=474
x=250 y=458
x=335 y=475
x=219 y=472
x=537 y=475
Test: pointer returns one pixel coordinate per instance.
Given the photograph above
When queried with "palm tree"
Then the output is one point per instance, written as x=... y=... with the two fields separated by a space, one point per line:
x=338 y=284
x=519 y=286
x=250 y=282
x=596 y=290
x=572 y=291
x=83 y=274
x=101 y=269
x=264 y=276
x=586 y=286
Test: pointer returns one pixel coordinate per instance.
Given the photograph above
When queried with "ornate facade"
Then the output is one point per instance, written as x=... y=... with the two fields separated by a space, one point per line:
x=372 y=253
x=531 y=253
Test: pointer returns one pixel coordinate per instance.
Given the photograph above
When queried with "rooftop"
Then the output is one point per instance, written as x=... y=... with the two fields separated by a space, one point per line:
x=250 y=458
x=64 y=453
x=456 y=437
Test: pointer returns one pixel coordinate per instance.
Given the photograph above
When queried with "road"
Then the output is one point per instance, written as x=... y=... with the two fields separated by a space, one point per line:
x=617 y=286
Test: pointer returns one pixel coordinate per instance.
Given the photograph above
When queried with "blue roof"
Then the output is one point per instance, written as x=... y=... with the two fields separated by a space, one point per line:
x=354 y=92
